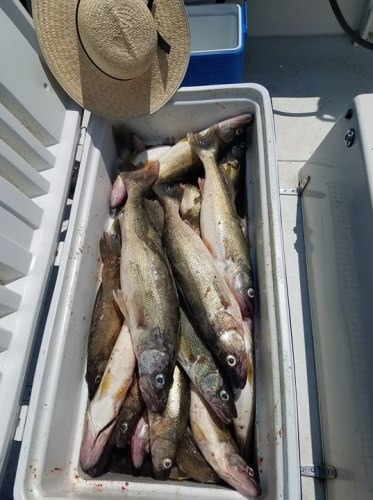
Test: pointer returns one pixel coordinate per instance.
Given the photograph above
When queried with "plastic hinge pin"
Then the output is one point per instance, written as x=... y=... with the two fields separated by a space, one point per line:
x=318 y=471
x=18 y=435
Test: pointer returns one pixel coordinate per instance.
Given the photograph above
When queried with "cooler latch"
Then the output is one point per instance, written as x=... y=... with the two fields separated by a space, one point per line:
x=318 y=471
x=296 y=191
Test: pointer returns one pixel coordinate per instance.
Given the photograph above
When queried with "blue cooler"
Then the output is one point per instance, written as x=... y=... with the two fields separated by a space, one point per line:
x=218 y=35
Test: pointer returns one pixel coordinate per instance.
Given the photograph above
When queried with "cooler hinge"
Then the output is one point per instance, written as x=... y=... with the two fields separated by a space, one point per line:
x=318 y=471
x=296 y=191
x=80 y=145
x=21 y=422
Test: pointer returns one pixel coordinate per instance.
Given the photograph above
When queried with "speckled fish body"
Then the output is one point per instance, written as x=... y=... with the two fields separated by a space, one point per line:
x=206 y=293
x=202 y=370
x=149 y=292
x=180 y=159
x=190 y=206
x=220 y=226
x=167 y=428
x=192 y=464
x=245 y=399
x=106 y=318
x=131 y=411
x=219 y=449
x=104 y=408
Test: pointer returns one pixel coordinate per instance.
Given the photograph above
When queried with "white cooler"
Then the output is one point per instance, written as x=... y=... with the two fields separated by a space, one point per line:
x=41 y=137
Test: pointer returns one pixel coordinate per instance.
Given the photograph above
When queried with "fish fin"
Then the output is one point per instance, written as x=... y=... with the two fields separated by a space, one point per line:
x=118 y=298
x=137 y=144
x=115 y=232
x=201 y=184
x=169 y=194
x=205 y=144
x=140 y=177
x=118 y=193
x=109 y=248
x=123 y=141
x=243 y=224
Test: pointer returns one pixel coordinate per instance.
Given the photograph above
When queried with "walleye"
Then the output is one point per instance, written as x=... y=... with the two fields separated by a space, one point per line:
x=220 y=227
x=149 y=292
x=167 y=428
x=231 y=163
x=219 y=448
x=104 y=408
x=192 y=464
x=201 y=368
x=204 y=289
x=190 y=206
x=106 y=318
x=245 y=399
x=179 y=160
x=119 y=192
x=127 y=144
x=130 y=413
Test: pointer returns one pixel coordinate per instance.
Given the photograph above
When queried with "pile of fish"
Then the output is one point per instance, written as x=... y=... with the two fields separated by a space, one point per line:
x=170 y=351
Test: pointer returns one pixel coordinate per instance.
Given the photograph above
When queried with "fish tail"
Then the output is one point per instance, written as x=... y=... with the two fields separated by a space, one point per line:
x=170 y=195
x=140 y=177
x=205 y=144
x=109 y=248
x=126 y=142
x=115 y=232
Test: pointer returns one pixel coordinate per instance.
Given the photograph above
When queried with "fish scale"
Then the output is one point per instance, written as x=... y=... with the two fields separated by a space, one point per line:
x=220 y=226
x=208 y=297
x=149 y=292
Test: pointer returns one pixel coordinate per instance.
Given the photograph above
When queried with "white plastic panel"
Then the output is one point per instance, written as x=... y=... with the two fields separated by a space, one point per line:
x=48 y=467
x=38 y=137
x=25 y=89
x=19 y=138
x=338 y=230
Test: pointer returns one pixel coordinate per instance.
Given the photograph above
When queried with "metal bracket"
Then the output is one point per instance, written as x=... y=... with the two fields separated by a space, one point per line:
x=318 y=471
x=296 y=191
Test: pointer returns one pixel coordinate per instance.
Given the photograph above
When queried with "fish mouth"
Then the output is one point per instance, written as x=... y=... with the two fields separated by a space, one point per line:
x=238 y=373
x=93 y=446
x=233 y=127
x=241 y=476
x=154 y=400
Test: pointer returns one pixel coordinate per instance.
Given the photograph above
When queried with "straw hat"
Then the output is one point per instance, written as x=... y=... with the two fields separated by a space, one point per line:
x=116 y=58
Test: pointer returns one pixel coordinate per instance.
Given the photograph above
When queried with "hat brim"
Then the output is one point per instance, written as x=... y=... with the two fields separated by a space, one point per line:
x=55 y=24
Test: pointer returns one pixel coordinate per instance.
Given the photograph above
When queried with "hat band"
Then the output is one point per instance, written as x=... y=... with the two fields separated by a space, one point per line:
x=162 y=44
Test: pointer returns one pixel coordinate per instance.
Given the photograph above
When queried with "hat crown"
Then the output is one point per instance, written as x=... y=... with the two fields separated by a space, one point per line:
x=119 y=36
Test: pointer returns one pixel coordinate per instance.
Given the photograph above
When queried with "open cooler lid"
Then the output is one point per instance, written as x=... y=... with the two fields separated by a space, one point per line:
x=337 y=205
x=38 y=135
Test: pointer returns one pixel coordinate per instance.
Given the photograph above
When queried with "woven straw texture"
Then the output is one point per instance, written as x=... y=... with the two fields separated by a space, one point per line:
x=56 y=28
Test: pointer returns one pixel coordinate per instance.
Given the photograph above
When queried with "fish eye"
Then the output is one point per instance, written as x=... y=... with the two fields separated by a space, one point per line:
x=167 y=462
x=250 y=293
x=123 y=426
x=159 y=380
x=98 y=379
x=231 y=360
x=224 y=395
x=239 y=131
x=250 y=471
